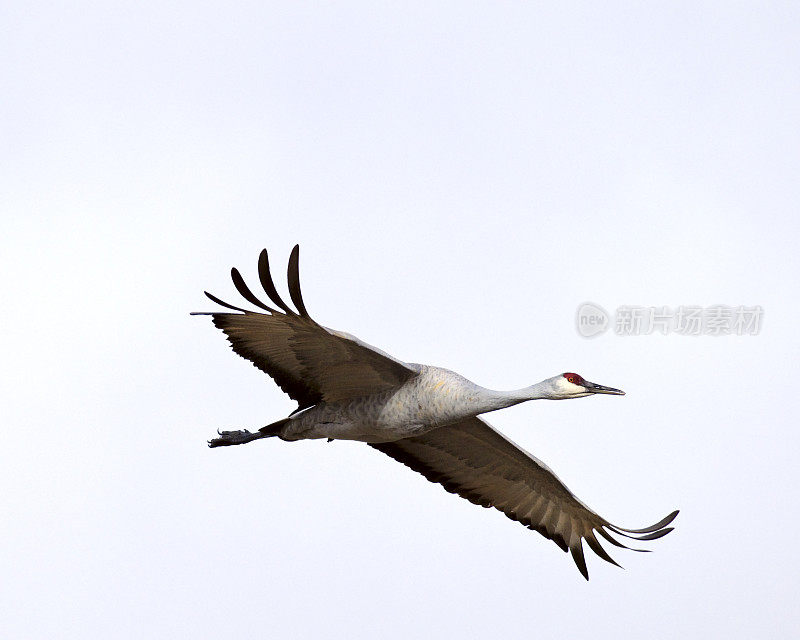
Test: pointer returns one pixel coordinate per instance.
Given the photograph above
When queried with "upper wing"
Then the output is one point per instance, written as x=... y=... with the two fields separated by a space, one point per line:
x=308 y=361
x=478 y=463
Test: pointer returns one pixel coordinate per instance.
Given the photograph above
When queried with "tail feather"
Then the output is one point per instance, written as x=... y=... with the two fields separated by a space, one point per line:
x=274 y=429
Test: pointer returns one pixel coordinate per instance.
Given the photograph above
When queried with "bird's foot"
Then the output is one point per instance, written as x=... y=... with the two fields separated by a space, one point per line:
x=227 y=438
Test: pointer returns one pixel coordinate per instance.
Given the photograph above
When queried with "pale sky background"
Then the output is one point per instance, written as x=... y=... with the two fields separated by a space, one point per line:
x=460 y=177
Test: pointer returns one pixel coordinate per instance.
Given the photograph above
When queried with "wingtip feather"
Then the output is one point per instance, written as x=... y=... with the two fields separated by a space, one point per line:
x=214 y=298
x=244 y=291
x=594 y=545
x=653 y=527
x=293 y=276
x=616 y=542
x=656 y=534
x=265 y=276
x=580 y=560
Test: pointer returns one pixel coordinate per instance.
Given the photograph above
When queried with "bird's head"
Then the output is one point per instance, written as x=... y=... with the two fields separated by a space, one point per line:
x=572 y=385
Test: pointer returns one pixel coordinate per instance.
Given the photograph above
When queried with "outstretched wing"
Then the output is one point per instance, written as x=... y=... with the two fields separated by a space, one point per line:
x=478 y=463
x=309 y=362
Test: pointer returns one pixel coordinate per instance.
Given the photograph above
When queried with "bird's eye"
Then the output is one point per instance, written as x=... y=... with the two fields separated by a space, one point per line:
x=571 y=379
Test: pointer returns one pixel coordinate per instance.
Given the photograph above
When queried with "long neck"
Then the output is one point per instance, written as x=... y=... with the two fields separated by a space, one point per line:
x=501 y=399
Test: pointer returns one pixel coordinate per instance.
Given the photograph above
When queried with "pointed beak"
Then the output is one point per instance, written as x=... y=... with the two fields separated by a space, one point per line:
x=591 y=387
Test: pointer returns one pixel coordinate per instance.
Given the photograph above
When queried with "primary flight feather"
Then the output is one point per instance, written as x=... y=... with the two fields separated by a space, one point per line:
x=425 y=417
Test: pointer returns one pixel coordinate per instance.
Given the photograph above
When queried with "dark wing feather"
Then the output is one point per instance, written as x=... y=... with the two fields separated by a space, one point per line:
x=245 y=292
x=265 y=277
x=308 y=361
x=478 y=463
x=293 y=276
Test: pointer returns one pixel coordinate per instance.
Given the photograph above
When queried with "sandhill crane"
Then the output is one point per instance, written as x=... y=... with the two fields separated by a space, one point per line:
x=425 y=417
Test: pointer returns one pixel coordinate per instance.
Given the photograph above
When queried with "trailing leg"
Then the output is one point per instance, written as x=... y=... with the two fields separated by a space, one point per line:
x=228 y=438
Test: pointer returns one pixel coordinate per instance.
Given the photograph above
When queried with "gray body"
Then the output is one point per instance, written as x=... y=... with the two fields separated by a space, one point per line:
x=434 y=398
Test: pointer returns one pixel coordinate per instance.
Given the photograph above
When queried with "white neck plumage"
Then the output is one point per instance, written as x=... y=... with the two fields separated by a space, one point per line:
x=544 y=390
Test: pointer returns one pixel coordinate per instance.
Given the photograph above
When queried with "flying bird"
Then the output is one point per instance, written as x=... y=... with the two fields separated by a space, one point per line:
x=426 y=417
